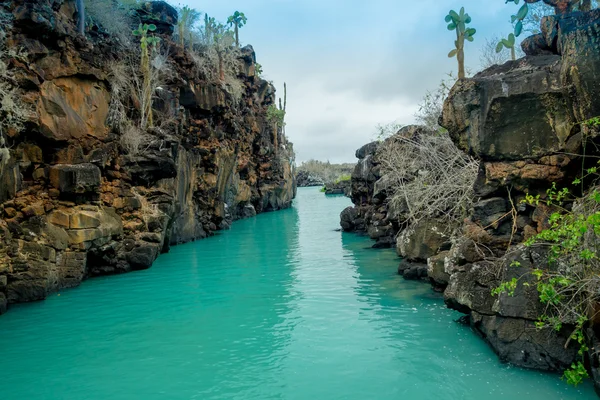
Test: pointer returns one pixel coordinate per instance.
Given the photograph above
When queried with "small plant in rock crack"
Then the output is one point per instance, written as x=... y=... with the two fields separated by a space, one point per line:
x=146 y=43
x=275 y=115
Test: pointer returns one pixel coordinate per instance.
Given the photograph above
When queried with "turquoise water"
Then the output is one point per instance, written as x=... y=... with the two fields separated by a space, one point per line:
x=280 y=307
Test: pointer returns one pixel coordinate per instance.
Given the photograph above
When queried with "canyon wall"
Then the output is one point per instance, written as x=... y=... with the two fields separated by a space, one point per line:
x=81 y=196
x=526 y=123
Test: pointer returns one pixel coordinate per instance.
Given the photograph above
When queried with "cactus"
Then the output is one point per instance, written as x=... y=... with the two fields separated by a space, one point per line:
x=237 y=20
x=509 y=43
x=145 y=42
x=187 y=18
x=81 y=12
x=560 y=7
x=458 y=22
x=223 y=39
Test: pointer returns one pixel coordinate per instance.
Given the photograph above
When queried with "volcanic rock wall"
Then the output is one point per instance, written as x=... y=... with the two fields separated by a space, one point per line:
x=74 y=203
x=525 y=122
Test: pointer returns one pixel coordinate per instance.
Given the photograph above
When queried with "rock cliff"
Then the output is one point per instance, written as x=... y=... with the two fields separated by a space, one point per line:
x=82 y=195
x=525 y=121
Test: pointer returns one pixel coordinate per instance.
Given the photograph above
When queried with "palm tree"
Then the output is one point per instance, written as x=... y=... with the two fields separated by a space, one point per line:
x=238 y=20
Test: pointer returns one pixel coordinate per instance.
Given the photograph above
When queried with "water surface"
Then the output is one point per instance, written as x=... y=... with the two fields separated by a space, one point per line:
x=282 y=306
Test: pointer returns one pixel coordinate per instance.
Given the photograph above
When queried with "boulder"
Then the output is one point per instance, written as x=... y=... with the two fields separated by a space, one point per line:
x=350 y=220
x=412 y=271
x=436 y=269
x=143 y=256
x=515 y=111
x=75 y=179
x=421 y=240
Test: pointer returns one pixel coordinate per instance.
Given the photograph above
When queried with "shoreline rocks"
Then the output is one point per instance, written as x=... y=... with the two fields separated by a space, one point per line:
x=525 y=121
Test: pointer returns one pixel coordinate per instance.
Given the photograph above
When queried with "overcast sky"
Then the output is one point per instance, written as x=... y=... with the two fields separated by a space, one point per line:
x=350 y=65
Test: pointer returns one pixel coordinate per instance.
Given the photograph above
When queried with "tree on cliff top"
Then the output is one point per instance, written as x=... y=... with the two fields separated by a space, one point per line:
x=237 y=20
x=458 y=22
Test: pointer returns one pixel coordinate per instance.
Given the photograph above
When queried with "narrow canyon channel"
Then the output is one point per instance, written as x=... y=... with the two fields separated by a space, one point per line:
x=282 y=306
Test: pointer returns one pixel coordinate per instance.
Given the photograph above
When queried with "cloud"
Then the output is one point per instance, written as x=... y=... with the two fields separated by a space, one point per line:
x=352 y=64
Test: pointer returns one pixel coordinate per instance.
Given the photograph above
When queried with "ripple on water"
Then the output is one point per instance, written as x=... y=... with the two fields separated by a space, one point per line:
x=280 y=307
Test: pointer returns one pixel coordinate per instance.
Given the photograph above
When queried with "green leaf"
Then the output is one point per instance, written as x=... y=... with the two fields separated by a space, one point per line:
x=451 y=26
x=499 y=47
x=452 y=53
x=518 y=28
x=151 y=27
x=454 y=15
x=469 y=38
x=522 y=12
x=448 y=18
x=511 y=39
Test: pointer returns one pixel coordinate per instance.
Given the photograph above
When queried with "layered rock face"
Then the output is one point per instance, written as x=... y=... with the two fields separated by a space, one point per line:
x=370 y=211
x=76 y=201
x=526 y=122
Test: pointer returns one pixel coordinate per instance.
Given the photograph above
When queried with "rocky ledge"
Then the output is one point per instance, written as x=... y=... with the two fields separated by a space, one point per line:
x=76 y=200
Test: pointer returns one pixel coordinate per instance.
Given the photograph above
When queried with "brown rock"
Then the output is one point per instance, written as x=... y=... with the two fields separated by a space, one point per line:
x=84 y=220
x=80 y=178
x=36 y=209
x=73 y=107
x=10 y=212
x=59 y=218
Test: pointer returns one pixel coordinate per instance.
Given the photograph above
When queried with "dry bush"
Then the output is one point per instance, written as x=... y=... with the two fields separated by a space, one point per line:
x=208 y=63
x=430 y=108
x=113 y=16
x=13 y=112
x=120 y=91
x=127 y=83
x=428 y=175
x=133 y=139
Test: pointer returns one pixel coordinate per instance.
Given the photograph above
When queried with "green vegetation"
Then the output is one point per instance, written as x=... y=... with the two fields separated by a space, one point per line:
x=509 y=43
x=326 y=171
x=148 y=89
x=237 y=20
x=258 y=69
x=569 y=286
x=275 y=115
x=560 y=7
x=343 y=178
x=187 y=18
x=458 y=22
